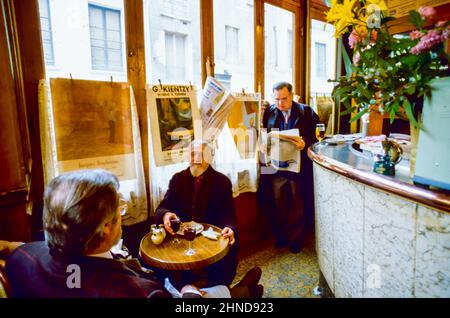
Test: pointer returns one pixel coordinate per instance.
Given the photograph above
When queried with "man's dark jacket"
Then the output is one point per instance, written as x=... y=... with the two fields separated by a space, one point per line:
x=305 y=119
x=33 y=273
x=213 y=204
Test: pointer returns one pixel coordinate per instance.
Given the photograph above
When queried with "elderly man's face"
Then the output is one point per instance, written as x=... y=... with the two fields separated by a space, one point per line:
x=200 y=158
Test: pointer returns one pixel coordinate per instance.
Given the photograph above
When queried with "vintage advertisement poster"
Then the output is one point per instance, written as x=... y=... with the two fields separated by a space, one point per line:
x=174 y=121
x=94 y=125
x=93 y=128
x=244 y=123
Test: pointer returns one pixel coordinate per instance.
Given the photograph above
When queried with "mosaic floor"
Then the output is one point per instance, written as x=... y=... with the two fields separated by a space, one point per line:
x=284 y=274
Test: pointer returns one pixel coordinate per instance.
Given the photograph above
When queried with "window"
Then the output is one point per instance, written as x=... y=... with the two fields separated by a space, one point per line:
x=321 y=60
x=46 y=30
x=273 y=50
x=175 y=56
x=172 y=42
x=290 y=50
x=231 y=44
x=278 y=24
x=234 y=44
x=175 y=8
x=106 y=39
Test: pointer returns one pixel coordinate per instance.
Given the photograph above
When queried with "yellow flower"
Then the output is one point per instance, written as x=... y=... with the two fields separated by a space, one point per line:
x=342 y=16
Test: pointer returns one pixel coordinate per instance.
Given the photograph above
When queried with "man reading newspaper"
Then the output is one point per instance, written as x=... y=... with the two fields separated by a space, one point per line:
x=287 y=186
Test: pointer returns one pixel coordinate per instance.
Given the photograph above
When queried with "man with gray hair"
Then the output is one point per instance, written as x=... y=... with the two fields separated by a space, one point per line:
x=202 y=194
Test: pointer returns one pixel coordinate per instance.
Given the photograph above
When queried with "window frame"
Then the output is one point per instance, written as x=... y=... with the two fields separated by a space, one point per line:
x=105 y=30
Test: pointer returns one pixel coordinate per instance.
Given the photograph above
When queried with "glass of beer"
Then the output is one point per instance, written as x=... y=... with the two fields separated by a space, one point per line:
x=189 y=234
x=320 y=132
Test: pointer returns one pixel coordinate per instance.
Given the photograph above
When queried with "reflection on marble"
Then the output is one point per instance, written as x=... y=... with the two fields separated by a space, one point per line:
x=373 y=244
x=432 y=277
x=348 y=237
x=324 y=222
x=388 y=244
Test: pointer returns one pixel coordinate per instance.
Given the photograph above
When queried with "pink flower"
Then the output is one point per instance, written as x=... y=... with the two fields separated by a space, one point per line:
x=445 y=34
x=416 y=34
x=359 y=35
x=427 y=42
x=427 y=12
x=356 y=58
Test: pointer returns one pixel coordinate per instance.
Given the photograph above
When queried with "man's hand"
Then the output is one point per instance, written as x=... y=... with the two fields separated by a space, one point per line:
x=166 y=220
x=296 y=140
x=227 y=232
x=300 y=143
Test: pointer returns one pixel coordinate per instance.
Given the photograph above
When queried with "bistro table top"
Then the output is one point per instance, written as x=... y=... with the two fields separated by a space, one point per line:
x=170 y=256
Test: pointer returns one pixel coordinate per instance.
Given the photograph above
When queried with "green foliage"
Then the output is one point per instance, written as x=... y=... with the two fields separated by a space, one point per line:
x=388 y=76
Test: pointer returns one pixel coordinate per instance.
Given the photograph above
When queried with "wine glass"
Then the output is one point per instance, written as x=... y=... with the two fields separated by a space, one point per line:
x=175 y=225
x=320 y=132
x=189 y=234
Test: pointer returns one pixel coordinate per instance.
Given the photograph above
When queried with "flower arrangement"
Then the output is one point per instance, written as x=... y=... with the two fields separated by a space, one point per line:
x=390 y=73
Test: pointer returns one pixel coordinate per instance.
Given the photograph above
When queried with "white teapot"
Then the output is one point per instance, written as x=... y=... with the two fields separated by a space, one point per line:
x=158 y=233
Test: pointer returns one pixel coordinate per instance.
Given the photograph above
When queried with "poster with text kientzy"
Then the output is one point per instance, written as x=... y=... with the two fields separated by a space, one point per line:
x=174 y=122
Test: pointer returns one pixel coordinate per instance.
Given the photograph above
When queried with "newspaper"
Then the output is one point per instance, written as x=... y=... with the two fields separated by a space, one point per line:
x=278 y=150
x=244 y=123
x=215 y=107
x=174 y=120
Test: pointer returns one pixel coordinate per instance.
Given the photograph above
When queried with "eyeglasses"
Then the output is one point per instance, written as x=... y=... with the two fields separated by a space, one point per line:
x=123 y=207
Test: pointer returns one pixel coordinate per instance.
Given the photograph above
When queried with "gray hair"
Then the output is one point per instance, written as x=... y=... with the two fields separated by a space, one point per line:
x=76 y=206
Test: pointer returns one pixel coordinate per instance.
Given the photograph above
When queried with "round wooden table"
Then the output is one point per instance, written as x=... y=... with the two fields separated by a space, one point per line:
x=172 y=256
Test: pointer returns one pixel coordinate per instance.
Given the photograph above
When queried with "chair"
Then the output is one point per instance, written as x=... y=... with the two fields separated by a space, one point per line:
x=4 y=286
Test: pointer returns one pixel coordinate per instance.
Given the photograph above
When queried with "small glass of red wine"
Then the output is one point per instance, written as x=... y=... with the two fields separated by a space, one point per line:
x=189 y=234
x=175 y=225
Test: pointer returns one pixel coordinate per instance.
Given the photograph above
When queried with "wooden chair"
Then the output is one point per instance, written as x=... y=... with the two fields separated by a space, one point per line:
x=4 y=286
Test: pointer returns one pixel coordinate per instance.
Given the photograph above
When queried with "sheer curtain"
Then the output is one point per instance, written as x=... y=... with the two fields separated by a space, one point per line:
x=242 y=172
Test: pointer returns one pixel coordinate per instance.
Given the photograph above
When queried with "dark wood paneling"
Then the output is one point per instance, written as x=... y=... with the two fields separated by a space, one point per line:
x=12 y=172
x=26 y=37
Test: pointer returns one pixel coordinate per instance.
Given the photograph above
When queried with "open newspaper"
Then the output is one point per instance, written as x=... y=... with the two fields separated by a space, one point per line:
x=215 y=107
x=279 y=151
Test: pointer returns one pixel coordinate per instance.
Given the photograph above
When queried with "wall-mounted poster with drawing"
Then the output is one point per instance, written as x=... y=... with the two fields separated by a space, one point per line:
x=174 y=120
x=91 y=125
x=244 y=123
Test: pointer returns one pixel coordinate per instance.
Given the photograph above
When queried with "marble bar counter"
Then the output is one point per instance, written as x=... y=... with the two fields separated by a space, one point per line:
x=378 y=236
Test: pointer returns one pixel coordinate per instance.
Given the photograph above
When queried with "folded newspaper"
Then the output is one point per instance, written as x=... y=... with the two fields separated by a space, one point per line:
x=279 y=151
x=215 y=107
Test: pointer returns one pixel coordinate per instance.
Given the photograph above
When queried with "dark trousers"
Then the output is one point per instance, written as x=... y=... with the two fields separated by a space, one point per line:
x=289 y=215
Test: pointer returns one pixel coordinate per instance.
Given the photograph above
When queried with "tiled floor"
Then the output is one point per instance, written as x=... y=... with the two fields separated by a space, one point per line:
x=284 y=274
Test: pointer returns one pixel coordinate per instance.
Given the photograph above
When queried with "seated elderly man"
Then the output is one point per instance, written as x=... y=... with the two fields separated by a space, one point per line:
x=204 y=195
x=82 y=222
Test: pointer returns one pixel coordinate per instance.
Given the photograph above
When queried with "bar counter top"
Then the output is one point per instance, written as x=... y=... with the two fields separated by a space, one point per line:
x=345 y=160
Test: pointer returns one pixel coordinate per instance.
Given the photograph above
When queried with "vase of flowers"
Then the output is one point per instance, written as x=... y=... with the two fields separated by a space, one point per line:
x=386 y=72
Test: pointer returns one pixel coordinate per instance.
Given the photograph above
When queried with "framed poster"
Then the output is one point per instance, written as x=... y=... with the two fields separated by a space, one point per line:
x=174 y=120
x=244 y=123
